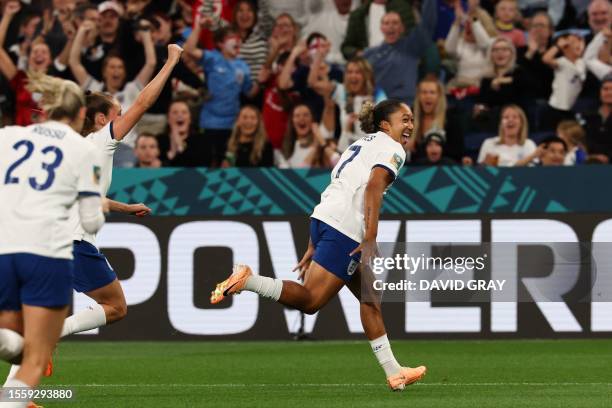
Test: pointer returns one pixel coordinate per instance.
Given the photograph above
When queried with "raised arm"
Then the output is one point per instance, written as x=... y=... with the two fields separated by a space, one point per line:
x=74 y=60
x=146 y=72
x=7 y=67
x=549 y=57
x=284 y=78
x=191 y=45
x=124 y=123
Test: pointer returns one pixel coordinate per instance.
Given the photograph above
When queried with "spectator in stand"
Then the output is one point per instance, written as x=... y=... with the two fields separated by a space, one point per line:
x=227 y=78
x=105 y=39
x=551 y=152
x=554 y=152
x=284 y=38
x=570 y=73
x=39 y=60
x=308 y=54
x=598 y=55
x=430 y=112
x=600 y=17
x=433 y=142
x=180 y=145
x=114 y=72
x=364 y=29
x=349 y=96
x=555 y=9
x=467 y=42
x=507 y=83
x=511 y=147
x=598 y=125
x=506 y=16
x=146 y=150
x=396 y=60
x=277 y=104
x=530 y=57
x=305 y=140
x=573 y=135
x=254 y=47
x=249 y=146
x=333 y=25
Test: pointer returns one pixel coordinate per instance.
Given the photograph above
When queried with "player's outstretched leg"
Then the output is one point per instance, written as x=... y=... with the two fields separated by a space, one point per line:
x=374 y=327
x=319 y=287
x=110 y=307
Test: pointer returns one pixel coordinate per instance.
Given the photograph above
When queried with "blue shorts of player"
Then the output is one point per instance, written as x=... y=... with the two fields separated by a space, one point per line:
x=91 y=269
x=34 y=280
x=332 y=249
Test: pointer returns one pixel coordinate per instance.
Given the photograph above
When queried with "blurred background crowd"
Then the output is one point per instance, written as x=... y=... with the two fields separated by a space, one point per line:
x=281 y=82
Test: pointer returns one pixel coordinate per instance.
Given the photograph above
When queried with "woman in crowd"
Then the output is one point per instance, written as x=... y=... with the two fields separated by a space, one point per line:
x=511 y=147
x=114 y=72
x=39 y=61
x=506 y=82
x=305 y=143
x=430 y=112
x=254 y=47
x=467 y=42
x=248 y=145
x=358 y=87
x=181 y=145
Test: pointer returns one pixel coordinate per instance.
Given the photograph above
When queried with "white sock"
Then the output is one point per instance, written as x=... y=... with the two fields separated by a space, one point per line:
x=11 y=344
x=384 y=355
x=13 y=383
x=270 y=288
x=11 y=374
x=90 y=318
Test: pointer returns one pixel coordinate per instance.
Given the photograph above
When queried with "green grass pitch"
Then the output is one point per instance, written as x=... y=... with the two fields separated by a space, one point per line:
x=524 y=373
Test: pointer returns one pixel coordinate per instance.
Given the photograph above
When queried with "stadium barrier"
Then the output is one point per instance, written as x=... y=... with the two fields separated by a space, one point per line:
x=212 y=218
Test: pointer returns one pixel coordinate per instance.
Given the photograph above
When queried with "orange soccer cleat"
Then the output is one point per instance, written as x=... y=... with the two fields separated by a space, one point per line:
x=232 y=285
x=33 y=405
x=406 y=376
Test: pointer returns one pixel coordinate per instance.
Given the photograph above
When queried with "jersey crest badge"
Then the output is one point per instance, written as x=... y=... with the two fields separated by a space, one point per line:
x=397 y=161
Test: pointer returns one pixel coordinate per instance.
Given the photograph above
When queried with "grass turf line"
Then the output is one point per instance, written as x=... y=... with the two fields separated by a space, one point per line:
x=525 y=373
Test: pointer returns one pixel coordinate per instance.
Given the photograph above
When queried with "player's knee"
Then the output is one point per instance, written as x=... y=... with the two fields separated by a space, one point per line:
x=312 y=307
x=118 y=311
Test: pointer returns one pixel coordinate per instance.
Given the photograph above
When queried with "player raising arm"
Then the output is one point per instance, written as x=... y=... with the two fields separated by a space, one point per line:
x=105 y=126
x=343 y=231
x=44 y=169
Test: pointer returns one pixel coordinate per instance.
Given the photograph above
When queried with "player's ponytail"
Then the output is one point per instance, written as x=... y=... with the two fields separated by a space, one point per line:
x=371 y=116
x=58 y=98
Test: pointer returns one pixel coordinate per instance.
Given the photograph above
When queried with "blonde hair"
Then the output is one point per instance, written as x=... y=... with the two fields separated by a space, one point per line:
x=439 y=112
x=511 y=65
x=366 y=70
x=58 y=98
x=574 y=132
x=259 y=142
x=523 y=132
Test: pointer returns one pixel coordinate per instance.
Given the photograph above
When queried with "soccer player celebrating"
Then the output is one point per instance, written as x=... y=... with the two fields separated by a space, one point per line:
x=45 y=169
x=343 y=232
x=105 y=127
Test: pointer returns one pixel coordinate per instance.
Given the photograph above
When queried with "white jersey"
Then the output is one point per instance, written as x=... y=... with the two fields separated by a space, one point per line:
x=104 y=142
x=342 y=201
x=43 y=169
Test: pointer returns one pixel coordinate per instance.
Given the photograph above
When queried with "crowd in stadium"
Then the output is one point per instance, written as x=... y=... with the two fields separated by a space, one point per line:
x=281 y=82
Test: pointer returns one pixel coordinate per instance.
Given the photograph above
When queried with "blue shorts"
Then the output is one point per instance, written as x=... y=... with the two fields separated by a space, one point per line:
x=34 y=280
x=91 y=269
x=332 y=249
